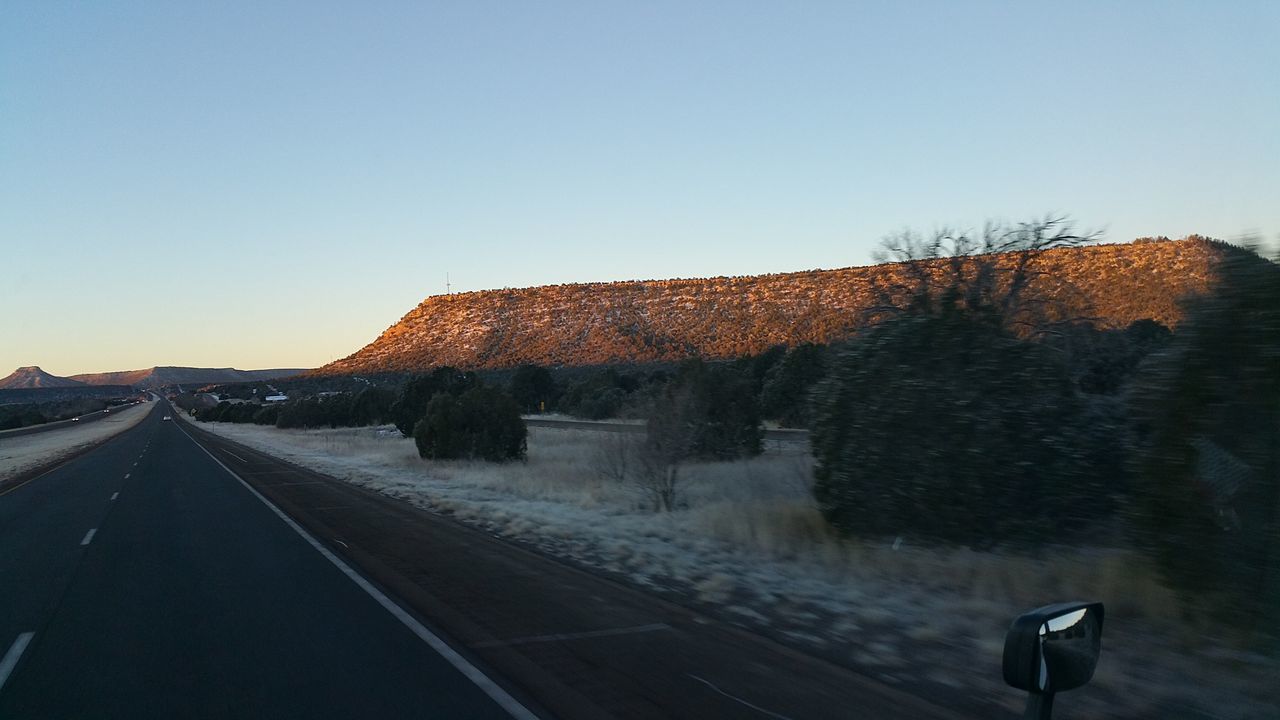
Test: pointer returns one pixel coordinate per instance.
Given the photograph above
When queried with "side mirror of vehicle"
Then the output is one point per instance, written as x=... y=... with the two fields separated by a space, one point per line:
x=1052 y=649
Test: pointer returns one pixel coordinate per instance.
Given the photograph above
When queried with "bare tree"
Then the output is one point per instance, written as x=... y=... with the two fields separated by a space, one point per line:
x=995 y=273
x=670 y=437
x=616 y=458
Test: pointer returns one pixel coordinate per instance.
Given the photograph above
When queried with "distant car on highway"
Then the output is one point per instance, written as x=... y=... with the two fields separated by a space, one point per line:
x=166 y=417
x=106 y=410
x=75 y=419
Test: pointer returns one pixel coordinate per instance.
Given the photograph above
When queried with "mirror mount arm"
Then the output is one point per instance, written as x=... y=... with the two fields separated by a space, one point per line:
x=1039 y=706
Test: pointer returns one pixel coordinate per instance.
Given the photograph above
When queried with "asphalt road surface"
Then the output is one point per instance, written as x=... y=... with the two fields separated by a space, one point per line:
x=142 y=580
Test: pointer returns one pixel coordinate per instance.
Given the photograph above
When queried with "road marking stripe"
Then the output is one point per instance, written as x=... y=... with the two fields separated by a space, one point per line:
x=736 y=699
x=10 y=660
x=495 y=692
x=574 y=636
x=88 y=537
x=115 y=495
x=234 y=455
x=126 y=476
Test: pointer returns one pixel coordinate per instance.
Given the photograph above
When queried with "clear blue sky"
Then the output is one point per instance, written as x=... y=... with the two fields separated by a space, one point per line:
x=265 y=184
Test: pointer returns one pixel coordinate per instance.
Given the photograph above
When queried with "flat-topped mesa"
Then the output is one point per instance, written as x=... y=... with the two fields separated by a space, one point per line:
x=169 y=375
x=728 y=317
x=31 y=377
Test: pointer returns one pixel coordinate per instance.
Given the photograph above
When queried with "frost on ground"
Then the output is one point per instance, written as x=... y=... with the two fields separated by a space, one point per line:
x=748 y=545
x=23 y=452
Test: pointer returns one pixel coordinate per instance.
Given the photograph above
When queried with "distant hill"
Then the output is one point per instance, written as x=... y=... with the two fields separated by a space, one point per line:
x=726 y=317
x=160 y=376
x=9 y=396
x=31 y=377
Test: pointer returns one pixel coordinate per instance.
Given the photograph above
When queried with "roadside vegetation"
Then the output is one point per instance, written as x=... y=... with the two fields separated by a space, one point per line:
x=984 y=446
x=20 y=415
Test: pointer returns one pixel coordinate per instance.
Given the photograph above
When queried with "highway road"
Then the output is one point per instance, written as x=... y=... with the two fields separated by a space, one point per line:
x=142 y=580
x=59 y=425
x=172 y=573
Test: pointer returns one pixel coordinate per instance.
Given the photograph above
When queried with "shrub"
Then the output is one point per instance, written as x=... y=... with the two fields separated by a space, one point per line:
x=335 y=410
x=481 y=423
x=599 y=396
x=17 y=416
x=949 y=429
x=712 y=408
x=533 y=388
x=266 y=415
x=215 y=413
x=785 y=395
x=1207 y=411
x=411 y=404
x=300 y=413
x=371 y=406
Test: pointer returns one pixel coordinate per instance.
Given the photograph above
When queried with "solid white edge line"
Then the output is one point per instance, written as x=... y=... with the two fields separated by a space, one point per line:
x=739 y=700
x=561 y=637
x=471 y=672
x=10 y=660
x=88 y=537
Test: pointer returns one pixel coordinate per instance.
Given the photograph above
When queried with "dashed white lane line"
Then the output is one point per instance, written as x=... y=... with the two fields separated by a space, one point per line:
x=126 y=475
x=234 y=455
x=10 y=660
x=88 y=537
x=115 y=495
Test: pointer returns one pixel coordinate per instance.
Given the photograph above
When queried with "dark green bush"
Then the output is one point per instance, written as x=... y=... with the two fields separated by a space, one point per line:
x=300 y=413
x=1207 y=419
x=411 y=404
x=371 y=406
x=213 y=414
x=599 y=396
x=18 y=416
x=533 y=388
x=948 y=429
x=481 y=423
x=711 y=408
x=266 y=415
x=785 y=393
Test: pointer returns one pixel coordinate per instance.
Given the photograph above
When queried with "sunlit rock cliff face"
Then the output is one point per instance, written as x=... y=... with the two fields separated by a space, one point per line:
x=726 y=317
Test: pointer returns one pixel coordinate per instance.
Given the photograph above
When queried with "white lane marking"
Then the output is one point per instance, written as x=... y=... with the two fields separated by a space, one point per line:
x=126 y=476
x=471 y=672
x=88 y=537
x=234 y=455
x=115 y=495
x=10 y=660
x=574 y=636
x=736 y=699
